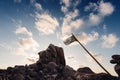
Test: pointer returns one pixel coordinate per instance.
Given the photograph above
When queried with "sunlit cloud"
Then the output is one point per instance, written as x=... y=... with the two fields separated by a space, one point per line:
x=70 y=23
x=105 y=8
x=86 y=38
x=109 y=41
x=45 y=23
x=23 y=30
x=28 y=43
x=99 y=12
x=65 y=6
x=94 y=19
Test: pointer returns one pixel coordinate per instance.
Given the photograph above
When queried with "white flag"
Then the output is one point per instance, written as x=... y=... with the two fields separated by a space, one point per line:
x=69 y=40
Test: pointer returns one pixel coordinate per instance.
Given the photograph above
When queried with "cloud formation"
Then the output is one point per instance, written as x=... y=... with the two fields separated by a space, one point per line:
x=23 y=30
x=105 y=8
x=45 y=23
x=70 y=23
x=28 y=43
x=109 y=41
x=99 y=12
x=86 y=38
x=65 y=6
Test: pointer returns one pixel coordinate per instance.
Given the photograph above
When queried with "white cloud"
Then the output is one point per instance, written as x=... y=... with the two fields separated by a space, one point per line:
x=17 y=1
x=65 y=6
x=86 y=38
x=38 y=6
x=23 y=30
x=45 y=23
x=70 y=23
x=94 y=20
x=109 y=41
x=64 y=9
x=100 y=11
x=105 y=8
x=28 y=43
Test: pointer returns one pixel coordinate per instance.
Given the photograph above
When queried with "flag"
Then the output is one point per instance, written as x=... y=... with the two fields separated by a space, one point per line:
x=69 y=40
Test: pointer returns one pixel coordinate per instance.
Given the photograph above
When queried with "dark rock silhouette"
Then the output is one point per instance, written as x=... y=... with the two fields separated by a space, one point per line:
x=52 y=66
x=116 y=60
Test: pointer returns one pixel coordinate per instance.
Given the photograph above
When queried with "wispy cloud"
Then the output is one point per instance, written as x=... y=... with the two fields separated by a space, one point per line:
x=86 y=38
x=99 y=12
x=28 y=43
x=91 y=7
x=70 y=22
x=23 y=30
x=45 y=23
x=38 y=6
x=109 y=41
x=65 y=6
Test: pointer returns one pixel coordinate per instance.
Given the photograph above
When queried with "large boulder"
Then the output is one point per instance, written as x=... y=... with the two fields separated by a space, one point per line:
x=52 y=54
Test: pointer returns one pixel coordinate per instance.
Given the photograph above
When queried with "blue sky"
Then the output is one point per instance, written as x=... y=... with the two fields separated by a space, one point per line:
x=29 y=26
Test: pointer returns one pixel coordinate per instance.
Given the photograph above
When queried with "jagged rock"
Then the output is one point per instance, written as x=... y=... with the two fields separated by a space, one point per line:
x=116 y=60
x=52 y=54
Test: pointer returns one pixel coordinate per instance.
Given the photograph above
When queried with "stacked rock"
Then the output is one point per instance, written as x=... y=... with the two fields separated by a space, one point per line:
x=116 y=60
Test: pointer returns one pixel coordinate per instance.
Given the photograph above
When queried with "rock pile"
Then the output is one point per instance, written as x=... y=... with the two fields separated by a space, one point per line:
x=52 y=66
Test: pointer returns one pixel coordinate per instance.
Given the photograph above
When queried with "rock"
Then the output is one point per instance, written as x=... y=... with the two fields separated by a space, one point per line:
x=52 y=54
x=83 y=72
x=52 y=66
x=116 y=60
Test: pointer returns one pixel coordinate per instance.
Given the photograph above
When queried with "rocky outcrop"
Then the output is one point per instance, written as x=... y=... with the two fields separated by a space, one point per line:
x=52 y=66
x=52 y=54
x=116 y=60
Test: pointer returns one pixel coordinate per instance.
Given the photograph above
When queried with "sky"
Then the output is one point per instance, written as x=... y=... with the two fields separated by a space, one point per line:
x=29 y=26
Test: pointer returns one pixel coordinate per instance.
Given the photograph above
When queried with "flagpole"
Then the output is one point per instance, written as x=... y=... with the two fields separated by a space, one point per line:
x=91 y=55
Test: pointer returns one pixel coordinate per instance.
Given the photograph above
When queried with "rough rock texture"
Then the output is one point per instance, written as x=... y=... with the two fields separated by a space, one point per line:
x=52 y=66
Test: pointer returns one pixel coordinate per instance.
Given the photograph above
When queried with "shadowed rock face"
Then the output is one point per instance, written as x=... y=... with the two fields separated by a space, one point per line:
x=116 y=60
x=52 y=66
x=52 y=54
